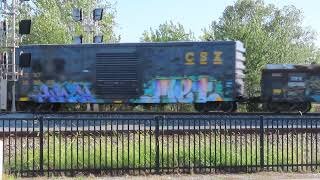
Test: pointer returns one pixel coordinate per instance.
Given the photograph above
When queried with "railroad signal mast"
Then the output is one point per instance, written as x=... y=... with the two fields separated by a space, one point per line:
x=9 y=41
x=91 y=27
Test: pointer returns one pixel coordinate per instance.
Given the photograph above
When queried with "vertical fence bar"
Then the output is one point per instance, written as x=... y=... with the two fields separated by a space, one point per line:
x=54 y=146
x=139 y=146
x=287 y=133
x=282 y=146
x=272 y=145
x=122 y=144
x=83 y=144
x=48 y=146
x=106 y=146
x=33 y=147
x=117 y=144
x=251 y=144
x=21 y=148
x=316 y=144
x=225 y=143
x=100 y=147
x=65 y=142
x=311 y=142
x=261 y=143
x=173 y=149
x=9 y=143
x=145 y=145
x=60 y=150
x=267 y=141
x=178 y=155
x=71 y=147
x=241 y=141
x=162 y=142
x=157 y=158
x=128 y=143
x=236 y=143
x=27 y=147
x=4 y=144
x=292 y=147
x=15 y=146
x=77 y=134
x=277 y=142
x=230 y=143
x=41 y=145
x=189 y=144
x=220 y=143
x=150 y=145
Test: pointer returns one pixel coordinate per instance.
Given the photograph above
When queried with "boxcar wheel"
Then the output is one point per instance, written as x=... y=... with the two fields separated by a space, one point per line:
x=303 y=107
x=201 y=107
x=273 y=107
x=229 y=107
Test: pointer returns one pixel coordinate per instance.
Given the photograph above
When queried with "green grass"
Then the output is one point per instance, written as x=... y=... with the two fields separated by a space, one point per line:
x=185 y=150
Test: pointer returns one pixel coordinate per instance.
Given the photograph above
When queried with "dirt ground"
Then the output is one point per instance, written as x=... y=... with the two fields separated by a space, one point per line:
x=258 y=176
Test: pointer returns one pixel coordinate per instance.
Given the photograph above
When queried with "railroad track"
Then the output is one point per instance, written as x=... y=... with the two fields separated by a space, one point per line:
x=85 y=113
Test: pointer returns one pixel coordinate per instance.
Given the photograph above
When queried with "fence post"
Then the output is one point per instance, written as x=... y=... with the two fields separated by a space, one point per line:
x=157 y=158
x=261 y=143
x=41 y=144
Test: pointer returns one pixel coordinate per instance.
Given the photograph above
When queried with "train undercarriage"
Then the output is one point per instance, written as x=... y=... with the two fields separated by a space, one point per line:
x=227 y=107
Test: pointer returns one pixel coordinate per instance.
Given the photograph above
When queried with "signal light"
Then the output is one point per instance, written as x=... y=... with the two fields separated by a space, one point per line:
x=97 y=14
x=4 y=59
x=25 y=60
x=77 y=39
x=24 y=26
x=77 y=14
x=4 y=26
x=98 y=39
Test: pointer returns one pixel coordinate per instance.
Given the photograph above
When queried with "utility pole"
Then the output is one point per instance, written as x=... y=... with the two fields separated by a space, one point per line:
x=14 y=75
x=9 y=70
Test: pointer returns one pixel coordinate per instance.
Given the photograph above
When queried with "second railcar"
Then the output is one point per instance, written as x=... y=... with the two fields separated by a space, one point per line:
x=289 y=87
x=207 y=74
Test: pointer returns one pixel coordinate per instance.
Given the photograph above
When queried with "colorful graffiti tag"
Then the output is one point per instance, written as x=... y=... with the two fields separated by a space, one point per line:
x=160 y=90
x=182 y=89
x=71 y=92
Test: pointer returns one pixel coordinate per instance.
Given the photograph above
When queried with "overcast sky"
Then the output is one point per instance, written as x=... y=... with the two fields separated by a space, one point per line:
x=133 y=17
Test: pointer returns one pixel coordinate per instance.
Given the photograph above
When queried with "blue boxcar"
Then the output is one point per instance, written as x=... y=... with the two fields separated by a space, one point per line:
x=174 y=72
x=291 y=83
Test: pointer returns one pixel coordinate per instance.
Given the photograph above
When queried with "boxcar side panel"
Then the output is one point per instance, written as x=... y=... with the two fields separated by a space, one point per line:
x=185 y=72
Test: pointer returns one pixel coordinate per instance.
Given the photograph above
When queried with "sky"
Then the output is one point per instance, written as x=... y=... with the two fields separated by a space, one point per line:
x=134 y=17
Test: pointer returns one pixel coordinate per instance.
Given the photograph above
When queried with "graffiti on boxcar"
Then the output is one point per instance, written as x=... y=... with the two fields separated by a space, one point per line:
x=71 y=92
x=314 y=88
x=183 y=89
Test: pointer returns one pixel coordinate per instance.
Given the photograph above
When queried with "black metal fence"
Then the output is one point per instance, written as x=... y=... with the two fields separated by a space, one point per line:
x=159 y=144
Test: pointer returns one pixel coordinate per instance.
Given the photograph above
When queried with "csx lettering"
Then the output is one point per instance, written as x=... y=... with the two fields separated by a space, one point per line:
x=204 y=58
x=190 y=58
x=217 y=57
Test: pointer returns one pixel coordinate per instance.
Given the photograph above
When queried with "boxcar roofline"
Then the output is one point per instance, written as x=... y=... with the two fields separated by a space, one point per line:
x=143 y=44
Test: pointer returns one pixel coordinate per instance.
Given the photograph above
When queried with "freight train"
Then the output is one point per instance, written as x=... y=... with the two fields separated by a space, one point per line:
x=210 y=75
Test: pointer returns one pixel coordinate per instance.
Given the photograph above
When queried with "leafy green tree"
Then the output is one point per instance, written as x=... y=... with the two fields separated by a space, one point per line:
x=52 y=21
x=270 y=34
x=167 y=31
